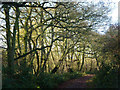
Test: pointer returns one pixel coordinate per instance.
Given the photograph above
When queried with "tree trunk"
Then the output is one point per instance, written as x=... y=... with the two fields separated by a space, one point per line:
x=91 y=65
x=38 y=66
x=11 y=40
x=42 y=43
x=25 y=39
x=16 y=27
x=83 y=57
x=8 y=34
x=97 y=61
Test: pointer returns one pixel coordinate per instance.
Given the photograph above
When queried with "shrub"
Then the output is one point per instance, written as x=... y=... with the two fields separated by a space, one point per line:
x=46 y=80
x=107 y=77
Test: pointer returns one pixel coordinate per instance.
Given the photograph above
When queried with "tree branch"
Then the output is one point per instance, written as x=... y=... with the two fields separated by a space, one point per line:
x=31 y=52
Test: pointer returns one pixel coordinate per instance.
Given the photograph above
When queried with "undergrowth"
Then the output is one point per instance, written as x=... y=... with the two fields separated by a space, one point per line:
x=43 y=80
x=106 y=77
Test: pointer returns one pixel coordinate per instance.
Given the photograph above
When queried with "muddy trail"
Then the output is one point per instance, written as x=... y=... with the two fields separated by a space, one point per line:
x=77 y=83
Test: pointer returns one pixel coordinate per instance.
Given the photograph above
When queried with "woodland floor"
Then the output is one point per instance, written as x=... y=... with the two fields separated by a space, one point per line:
x=81 y=82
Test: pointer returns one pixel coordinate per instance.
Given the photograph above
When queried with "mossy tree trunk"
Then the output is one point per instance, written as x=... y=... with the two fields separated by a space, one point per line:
x=11 y=39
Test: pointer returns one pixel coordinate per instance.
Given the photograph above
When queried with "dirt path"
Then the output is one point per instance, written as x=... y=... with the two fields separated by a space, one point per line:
x=77 y=83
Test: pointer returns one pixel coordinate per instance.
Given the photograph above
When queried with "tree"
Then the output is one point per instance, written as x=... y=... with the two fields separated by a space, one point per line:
x=62 y=22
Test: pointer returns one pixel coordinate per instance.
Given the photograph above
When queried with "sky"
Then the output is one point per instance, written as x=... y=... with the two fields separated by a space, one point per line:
x=114 y=12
